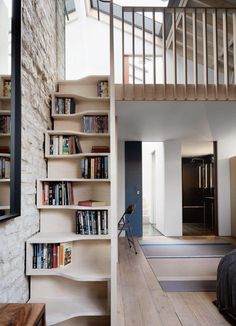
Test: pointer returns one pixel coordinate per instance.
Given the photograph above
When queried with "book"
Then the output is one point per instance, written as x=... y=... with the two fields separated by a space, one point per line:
x=57 y=193
x=64 y=105
x=5 y=167
x=92 y=222
x=4 y=150
x=5 y=124
x=100 y=149
x=7 y=88
x=64 y=145
x=94 y=167
x=95 y=123
x=102 y=88
x=65 y=253
x=51 y=255
x=91 y=203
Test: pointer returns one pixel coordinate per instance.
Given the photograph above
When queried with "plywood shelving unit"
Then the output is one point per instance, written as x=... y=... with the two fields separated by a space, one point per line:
x=5 y=111
x=78 y=293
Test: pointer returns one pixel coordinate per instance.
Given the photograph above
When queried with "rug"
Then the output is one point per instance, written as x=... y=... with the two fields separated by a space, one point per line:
x=186 y=250
x=186 y=267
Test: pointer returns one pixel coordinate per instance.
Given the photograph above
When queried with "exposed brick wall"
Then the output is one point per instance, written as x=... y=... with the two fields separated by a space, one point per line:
x=42 y=66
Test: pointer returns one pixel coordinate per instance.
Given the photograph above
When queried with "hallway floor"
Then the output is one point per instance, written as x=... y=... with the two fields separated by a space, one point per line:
x=150 y=231
x=196 y=229
x=142 y=302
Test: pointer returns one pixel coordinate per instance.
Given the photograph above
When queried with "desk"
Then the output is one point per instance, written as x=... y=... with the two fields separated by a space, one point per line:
x=17 y=314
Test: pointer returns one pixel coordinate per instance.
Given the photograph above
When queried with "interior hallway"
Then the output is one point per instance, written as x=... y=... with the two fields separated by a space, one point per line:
x=142 y=302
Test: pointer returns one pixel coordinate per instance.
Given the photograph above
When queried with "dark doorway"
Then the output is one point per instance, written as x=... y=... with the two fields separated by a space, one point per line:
x=133 y=183
x=199 y=194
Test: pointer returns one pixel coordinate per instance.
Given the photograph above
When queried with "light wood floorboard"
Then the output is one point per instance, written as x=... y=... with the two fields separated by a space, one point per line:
x=141 y=301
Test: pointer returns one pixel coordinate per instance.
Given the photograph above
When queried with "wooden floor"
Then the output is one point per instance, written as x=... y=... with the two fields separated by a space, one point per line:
x=196 y=229
x=141 y=301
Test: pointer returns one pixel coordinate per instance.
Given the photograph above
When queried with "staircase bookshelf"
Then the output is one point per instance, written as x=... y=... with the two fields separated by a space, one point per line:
x=5 y=118
x=78 y=291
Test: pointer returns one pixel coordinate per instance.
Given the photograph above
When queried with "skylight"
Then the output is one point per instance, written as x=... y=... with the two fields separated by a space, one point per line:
x=70 y=6
x=104 y=7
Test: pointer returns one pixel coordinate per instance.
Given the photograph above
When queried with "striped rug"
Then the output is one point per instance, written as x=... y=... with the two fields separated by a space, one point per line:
x=186 y=266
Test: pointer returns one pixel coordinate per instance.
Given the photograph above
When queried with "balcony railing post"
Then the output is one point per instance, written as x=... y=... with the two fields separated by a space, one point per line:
x=174 y=50
x=195 y=56
x=123 y=54
x=215 y=50
x=234 y=44
x=144 y=61
x=154 y=52
x=205 y=52
x=225 y=49
x=185 y=52
x=164 y=51
x=133 y=52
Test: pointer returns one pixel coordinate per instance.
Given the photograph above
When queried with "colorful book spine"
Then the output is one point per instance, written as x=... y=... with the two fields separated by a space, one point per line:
x=95 y=123
x=57 y=193
x=91 y=222
x=64 y=105
x=51 y=255
x=94 y=167
x=5 y=167
x=64 y=145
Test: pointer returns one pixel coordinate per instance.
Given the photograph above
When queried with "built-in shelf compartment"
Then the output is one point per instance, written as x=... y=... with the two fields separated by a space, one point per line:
x=90 y=259
x=78 y=293
x=66 y=299
x=82 y=191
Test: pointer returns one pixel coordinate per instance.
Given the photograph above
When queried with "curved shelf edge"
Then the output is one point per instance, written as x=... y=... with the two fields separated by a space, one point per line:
x=70 y=276
x=79 y=114
x=59 y=311
x=82 y=98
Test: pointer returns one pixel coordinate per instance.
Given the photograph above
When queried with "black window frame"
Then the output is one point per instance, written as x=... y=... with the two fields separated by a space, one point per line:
x=15 y=165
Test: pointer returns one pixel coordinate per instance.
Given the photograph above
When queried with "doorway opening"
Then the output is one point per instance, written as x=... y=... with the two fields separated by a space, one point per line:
x=150 y=192
x=199 y=182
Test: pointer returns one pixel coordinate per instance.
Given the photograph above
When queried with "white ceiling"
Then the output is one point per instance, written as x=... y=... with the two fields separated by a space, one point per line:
x=185 y=121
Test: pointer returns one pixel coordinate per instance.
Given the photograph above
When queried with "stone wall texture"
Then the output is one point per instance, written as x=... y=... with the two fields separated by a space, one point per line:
x=42 y=65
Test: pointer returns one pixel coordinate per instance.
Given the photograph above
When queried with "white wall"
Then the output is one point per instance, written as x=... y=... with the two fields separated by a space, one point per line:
x=173 y=188
x=168 y=180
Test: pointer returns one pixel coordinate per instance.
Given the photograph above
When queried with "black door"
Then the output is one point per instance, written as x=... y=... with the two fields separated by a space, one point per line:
x=133 y=183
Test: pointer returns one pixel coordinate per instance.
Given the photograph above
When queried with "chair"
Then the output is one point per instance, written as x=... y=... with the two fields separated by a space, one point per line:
x=124 y=225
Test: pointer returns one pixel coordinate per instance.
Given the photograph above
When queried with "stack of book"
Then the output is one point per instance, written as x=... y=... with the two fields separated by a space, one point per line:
x=4 y=168
x=103 y=88
x=94 y=167
x=63 y=145
x=95 y=123
x=64 y=105
x=100 y=149
x=7 y=88
x=92 y=222
x=5 y=124
x=51 y=255
x=4 y=149
x=57 y=193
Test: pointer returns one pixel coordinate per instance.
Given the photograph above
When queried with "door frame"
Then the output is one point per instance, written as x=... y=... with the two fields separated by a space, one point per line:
x=216 y=222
